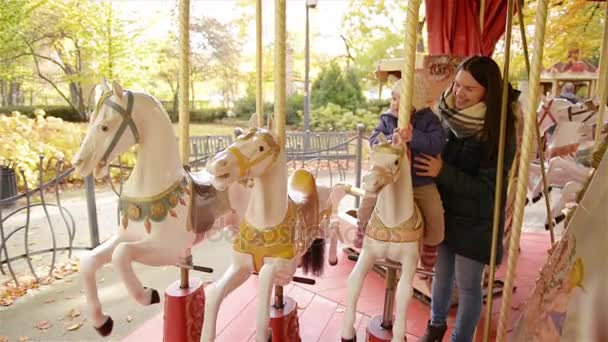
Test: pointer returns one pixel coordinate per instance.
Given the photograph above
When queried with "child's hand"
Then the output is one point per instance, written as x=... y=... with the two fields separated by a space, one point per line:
x=404 y=133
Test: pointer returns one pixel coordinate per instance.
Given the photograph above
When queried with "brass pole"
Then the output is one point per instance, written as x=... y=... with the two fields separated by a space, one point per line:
x=524 y=160
x=499 y=170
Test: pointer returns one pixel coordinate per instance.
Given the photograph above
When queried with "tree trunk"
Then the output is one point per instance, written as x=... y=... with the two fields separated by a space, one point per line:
x=2 y=93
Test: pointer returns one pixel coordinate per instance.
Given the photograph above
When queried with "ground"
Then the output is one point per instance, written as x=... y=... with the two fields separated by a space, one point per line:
x=62 y=302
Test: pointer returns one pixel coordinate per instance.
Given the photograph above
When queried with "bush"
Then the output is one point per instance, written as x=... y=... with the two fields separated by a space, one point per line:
x=200 y=115
x=65 y=113
x=335 y=118
x=245 y=106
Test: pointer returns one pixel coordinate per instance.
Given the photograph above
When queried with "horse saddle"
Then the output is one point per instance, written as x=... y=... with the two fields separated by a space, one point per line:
x=302 y=190
x=206 y=202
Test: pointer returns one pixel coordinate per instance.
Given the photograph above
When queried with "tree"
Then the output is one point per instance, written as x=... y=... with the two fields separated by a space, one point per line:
x=215 y=54
x=337 y=86
x=581 y=19
x=374 y=30
x=69 y=42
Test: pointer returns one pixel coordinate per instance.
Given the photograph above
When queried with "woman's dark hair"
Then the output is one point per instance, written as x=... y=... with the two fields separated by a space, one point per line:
x=487 y=73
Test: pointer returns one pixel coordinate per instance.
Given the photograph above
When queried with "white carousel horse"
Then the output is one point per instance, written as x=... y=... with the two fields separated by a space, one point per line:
x=156 y=201
x=393 y=232
x=552 y=111
x=280 y=230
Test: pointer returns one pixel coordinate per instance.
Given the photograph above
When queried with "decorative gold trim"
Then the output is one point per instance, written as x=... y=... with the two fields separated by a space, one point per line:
x=409 y=230
x=153 y=208
x=277 y=242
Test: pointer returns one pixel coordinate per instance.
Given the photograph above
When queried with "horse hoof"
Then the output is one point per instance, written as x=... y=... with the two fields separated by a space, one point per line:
x=354 y=339
x=536 y=198
x=333 y=262
x=155 y=297
x=559 y=218
x=106 y=328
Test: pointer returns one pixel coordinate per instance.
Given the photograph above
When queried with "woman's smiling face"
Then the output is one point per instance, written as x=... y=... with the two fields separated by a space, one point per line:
x=467 y=92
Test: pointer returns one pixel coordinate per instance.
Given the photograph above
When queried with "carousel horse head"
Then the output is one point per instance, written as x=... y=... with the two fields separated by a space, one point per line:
x=251 y=155
x=385 y=159
x=112 y=130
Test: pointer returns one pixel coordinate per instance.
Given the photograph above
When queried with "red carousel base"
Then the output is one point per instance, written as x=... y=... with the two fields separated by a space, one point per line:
x=284 y=322
x=376 y=333
x=184 y=310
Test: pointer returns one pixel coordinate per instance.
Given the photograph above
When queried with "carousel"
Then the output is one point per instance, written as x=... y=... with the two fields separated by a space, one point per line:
x=280 y=285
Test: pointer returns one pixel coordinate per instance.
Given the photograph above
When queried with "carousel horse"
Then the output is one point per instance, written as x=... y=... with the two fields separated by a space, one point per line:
x=552 y=111
x=393 y=232
x=281 y=229
x=158 y=225
x=565 y=164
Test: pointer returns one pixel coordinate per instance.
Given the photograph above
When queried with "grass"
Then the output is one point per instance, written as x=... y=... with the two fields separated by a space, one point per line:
x=225 y=127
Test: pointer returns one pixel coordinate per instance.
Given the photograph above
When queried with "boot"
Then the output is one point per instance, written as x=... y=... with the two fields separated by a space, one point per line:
x=433 y=333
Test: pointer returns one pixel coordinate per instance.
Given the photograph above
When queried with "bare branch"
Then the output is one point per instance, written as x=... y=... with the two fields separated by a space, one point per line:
x=34 y=55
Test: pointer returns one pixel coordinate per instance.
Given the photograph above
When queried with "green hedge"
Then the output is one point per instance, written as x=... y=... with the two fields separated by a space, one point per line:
x=64 y=112
x=69 y=114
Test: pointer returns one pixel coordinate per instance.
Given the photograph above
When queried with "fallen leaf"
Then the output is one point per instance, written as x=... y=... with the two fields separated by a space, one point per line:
x=23 y=339
x=129 y=319
x=73 y=327
x=49 y=301
x=73 y=313
x=43 y=325
x=69 y=297
x=60 y=292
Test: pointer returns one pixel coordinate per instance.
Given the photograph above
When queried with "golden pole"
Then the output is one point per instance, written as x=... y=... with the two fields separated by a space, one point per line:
x=539 y=143
x=183 y=88
x=409 y=63
x=602 y=81
x=259 y=91
x=482 y=14
x=280 y=86
x=499 y=170
x=184 y=79
x=522 y=179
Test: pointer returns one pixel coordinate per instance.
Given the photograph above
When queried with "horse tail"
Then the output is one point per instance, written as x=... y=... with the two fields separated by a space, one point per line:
x=314 y=258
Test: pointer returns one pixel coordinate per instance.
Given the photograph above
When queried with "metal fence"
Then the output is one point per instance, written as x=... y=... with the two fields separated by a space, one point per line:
x=31 y=218
x=330 y=152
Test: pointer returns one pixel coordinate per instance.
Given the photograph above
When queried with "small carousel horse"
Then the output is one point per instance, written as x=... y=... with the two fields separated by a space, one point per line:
x=157 y=221
x=393 y=232
x=280 y=230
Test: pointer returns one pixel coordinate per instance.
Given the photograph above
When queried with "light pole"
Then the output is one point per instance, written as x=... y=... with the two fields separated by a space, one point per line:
x=309 y=4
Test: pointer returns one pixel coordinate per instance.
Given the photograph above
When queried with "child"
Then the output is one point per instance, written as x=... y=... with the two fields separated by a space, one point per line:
x=425 y=136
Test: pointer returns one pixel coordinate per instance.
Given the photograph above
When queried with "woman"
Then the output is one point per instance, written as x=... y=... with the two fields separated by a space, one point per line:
x=466 y=177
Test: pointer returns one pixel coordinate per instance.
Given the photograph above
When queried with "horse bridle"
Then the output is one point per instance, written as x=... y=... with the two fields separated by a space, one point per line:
x=127 y=120
x=246 y=163
x=546 y=113
x=571 y=114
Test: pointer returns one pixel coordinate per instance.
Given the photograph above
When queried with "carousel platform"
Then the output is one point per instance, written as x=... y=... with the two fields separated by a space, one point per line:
x=321 y=306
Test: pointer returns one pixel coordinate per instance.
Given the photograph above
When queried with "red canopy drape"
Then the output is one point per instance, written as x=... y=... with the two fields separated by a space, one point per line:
x=453 y=26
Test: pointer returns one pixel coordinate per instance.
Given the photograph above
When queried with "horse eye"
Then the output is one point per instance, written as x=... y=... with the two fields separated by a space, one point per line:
x=104 y=128
x=396 y=162
x=261 y=148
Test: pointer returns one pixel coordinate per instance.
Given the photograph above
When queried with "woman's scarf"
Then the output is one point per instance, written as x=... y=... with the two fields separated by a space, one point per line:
x=465 y=123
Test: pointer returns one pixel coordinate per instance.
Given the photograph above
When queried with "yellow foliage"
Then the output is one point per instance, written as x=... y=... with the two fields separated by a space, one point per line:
x=23 y=140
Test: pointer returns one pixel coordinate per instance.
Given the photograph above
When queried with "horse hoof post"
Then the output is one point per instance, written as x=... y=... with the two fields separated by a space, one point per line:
x=354 y=339
x=106 y=328
x=284 y=323
x=377 y=333
x=184 y=310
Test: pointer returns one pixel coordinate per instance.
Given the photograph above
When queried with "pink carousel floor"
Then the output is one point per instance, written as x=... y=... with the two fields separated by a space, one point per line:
x=321 y=306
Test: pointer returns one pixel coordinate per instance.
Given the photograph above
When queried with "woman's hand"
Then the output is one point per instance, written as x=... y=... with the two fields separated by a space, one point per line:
x=427 y=165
